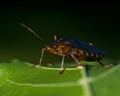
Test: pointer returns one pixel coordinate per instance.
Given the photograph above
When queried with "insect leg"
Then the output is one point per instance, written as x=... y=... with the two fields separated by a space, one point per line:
x=78 y=63
x=105 y=65
x=62 y=65
x=40 y=61
x=101 y=63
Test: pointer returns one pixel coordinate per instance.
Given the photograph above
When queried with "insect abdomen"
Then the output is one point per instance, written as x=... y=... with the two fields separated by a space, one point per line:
x=86 y=55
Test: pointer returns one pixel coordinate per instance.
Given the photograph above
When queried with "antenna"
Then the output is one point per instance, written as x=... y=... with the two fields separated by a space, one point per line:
x=29 y=29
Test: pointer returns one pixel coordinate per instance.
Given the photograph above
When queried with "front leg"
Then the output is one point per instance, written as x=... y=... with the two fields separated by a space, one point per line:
x=41 y=58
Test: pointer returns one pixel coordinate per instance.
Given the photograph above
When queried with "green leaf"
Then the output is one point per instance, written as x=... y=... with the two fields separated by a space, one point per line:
x=21 y=79
x=105 y=81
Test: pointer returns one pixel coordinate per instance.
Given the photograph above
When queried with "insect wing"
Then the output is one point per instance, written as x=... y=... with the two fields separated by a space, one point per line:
x=85 y=46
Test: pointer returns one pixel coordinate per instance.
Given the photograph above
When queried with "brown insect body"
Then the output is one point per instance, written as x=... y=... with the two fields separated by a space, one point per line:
x=64 y=47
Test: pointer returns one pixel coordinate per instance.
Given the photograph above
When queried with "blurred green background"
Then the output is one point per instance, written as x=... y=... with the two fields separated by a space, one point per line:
x=95 y=24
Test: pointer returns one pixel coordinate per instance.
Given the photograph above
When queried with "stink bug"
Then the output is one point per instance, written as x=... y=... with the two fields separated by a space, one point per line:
x=76 y=49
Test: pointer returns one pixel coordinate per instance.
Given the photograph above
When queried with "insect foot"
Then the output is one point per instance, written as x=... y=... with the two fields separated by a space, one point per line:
x=108 y=65
x=62 y=71
x=36 y=65
x=81 y=66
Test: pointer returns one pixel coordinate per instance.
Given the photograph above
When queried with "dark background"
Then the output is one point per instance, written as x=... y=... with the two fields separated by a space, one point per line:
x=88 y=22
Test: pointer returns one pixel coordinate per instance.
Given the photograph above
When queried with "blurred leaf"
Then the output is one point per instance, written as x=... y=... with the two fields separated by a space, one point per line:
x=105 y=81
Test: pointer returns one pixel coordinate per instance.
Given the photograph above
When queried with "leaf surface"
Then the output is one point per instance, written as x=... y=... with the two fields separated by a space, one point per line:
x=21 y=79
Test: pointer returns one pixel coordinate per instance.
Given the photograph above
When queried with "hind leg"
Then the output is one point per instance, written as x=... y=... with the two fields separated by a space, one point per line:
x=105 y=65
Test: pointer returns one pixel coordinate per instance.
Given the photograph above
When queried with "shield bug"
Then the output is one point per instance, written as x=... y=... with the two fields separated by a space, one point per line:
x=75 y=48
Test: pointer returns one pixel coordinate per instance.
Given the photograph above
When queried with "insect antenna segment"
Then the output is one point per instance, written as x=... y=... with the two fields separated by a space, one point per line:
x=29 y=29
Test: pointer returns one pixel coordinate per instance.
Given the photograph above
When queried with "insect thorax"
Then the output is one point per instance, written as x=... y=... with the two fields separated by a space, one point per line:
x=59 y=49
